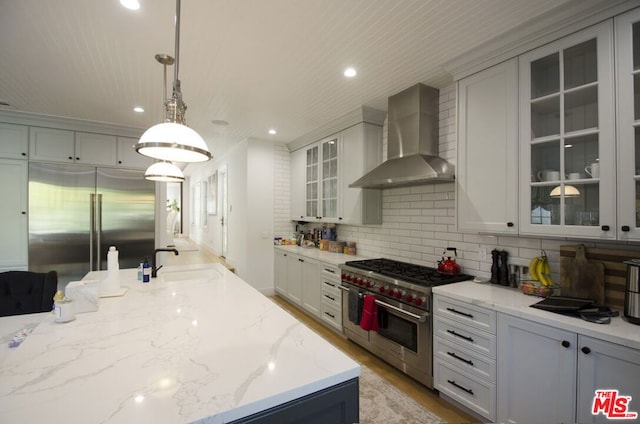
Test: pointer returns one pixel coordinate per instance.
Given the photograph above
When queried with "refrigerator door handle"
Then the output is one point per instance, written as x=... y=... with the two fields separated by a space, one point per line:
x=99 y=232
x=92 y=227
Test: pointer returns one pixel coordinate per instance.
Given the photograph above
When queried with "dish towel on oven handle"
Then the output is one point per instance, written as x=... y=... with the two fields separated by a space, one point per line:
x=355 y=305
x=369 y=319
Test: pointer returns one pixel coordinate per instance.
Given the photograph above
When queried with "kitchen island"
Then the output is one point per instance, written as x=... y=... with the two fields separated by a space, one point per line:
x=197 y=344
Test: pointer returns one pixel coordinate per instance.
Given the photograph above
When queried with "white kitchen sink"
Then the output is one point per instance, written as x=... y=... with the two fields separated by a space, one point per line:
x=189 y=274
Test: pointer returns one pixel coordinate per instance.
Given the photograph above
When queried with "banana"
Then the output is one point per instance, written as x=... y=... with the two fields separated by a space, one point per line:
x=533 y=268
x=544 y=271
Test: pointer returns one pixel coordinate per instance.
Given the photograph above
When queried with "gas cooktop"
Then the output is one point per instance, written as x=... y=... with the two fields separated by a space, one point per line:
x=403 y=271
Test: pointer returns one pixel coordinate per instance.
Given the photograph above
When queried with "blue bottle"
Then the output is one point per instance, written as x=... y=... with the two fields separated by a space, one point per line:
x=146 y=271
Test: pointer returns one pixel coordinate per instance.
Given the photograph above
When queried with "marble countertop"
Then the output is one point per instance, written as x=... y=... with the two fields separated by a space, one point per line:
x=332 y=258
x=513 y=302
x=202 y=349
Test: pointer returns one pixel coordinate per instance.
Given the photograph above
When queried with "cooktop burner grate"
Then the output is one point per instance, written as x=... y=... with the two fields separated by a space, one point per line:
x=404 y=271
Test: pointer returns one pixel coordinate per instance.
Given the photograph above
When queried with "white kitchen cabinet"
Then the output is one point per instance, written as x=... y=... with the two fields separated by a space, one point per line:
x=14 y=141
x=280 y=269
x=96 y=149
x=128 y=157
x=13 y=215
x=311 y=286
x=567 y=137
x=464 y=354
x=537 y=372
x=361 y=152
x=48 y=144
x=487 y=176
x=605 y=366
x=295 y=280
x=628 y=124
x=331 y=300
x=321 y=174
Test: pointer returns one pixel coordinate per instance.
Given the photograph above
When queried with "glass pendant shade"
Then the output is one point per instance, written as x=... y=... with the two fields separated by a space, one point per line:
x=175 y=142
x=569 y=191
x=164 y=172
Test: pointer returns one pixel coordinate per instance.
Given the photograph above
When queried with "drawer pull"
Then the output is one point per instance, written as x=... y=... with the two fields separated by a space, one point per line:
x=330 y=270
x=466 y=361
x=455 y=311
x=330 y=298
x=329 y=284
x=452 y=382
x=330 y=314
x=469 y=339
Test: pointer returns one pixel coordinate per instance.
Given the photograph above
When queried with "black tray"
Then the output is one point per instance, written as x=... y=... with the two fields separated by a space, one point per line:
x=563 y=304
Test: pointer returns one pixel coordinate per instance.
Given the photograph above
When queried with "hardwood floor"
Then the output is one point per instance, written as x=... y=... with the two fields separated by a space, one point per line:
x=426 y=397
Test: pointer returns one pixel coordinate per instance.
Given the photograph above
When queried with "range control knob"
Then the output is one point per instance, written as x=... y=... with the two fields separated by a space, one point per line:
x=368 y=283
x=358 y=281
x=420 y=300
x=409 y=297
x=382 y=289
x=390 y=291
x=399 y=294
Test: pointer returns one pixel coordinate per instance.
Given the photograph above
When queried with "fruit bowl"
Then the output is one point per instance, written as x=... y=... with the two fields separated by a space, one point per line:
x=533 y=288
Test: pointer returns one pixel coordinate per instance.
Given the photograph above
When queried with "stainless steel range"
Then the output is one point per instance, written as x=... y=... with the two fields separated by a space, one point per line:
x=403 y=297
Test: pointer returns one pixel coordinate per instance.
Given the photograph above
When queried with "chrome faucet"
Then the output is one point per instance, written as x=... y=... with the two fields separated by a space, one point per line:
x=154 y=270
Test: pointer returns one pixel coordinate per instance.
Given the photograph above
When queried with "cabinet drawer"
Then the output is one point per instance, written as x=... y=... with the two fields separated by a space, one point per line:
x=332 y=298
x=469 y=315
x=465 y=359
x=331 y=315
x=473 y=393
x=468 y=337
x=331 y=272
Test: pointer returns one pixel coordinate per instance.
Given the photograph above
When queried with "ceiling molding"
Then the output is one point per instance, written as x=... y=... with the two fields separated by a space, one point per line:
x=361 y=114
x=50 y=121
x=569 y=18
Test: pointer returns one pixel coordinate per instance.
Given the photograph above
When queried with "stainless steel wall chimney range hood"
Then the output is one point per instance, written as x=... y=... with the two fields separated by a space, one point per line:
x=412 y=143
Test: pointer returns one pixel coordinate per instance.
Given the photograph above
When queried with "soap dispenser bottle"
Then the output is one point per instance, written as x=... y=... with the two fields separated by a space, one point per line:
x=146 y=271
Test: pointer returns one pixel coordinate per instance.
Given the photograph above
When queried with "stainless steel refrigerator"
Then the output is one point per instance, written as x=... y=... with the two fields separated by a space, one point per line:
x=76 y=212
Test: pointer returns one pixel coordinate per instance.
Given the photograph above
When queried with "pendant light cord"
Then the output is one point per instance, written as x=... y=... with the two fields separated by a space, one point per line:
x=177 y=53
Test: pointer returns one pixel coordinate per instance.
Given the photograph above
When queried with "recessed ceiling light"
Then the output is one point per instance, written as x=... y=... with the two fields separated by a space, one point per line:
x=138 y=109
x=568 y=145
x=219 y=122
x=130 y=4
x=350 y=72
x=272 y=131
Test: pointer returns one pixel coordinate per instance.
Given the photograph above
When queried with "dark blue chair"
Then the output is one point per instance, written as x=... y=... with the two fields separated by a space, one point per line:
x=26 y=292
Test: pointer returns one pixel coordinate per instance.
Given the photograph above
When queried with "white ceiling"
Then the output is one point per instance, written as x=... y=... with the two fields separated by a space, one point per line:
x=257 y=64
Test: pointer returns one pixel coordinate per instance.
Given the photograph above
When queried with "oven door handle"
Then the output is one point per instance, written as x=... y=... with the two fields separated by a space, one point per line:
x=416 y=317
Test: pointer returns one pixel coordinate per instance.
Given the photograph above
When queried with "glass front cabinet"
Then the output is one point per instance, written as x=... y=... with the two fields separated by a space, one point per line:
x=321 y=181
x=628 y=124
x=567 y=137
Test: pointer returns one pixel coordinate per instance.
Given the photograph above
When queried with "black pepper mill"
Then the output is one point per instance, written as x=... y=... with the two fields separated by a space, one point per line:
x=504 y=268
x=495 y=267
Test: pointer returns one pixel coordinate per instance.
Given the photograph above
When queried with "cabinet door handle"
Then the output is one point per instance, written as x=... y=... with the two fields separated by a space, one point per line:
x=469 y=339
x=300 y=260
x=586 y=350
x=510 y=224
x=466 y=361
x=625 y=228
x=565 y=343
x=455 y=311
x=605 y=228
x=452 y=382
x=23 y=154
x=70 y=157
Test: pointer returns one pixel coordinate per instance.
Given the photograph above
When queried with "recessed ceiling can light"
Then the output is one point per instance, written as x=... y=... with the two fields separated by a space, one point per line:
x=350 y=72
x=138 y=109
x=272 y=131
x=130 y=4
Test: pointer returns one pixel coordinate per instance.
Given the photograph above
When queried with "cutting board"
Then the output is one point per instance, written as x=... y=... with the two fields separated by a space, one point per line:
x=580 y=277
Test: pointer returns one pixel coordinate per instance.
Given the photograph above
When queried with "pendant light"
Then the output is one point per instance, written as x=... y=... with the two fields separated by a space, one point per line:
x=569 y=191
x=164 y=171
x=172 y=140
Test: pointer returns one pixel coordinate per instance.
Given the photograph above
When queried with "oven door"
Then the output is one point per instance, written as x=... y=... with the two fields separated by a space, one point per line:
x=405 y=335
